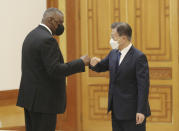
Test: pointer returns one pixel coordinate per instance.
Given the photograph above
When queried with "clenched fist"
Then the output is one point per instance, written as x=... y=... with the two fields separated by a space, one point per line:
x=86 y=59
x=139 y=118
x=94 y=61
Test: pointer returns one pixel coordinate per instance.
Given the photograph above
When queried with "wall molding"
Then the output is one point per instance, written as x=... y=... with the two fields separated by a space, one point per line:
x=8 y=95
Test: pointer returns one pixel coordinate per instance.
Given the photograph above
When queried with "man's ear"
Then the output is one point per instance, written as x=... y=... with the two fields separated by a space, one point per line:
x=50 y=20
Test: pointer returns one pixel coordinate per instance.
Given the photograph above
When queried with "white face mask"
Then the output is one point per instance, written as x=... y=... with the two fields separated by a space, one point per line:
x=114 y=44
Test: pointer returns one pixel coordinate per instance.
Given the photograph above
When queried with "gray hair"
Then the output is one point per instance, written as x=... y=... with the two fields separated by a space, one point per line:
x=50 y=12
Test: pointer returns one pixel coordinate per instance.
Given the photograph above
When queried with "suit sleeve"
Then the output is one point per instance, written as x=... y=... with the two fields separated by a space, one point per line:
x=142 y=75
x=54 y=68
x=101 y=66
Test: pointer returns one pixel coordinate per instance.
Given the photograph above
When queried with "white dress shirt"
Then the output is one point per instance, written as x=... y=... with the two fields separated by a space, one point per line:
x=46 y=27
x=124 y=52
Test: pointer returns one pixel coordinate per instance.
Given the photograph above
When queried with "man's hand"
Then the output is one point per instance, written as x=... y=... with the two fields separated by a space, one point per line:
x=139 y=118
x=94 y=61
x=86 y=59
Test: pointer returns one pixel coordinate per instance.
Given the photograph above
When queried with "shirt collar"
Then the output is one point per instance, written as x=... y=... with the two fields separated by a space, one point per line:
x=125 y=50
x=46 y=27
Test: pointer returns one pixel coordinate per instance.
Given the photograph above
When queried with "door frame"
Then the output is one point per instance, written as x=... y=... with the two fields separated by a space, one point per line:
x=70 y=120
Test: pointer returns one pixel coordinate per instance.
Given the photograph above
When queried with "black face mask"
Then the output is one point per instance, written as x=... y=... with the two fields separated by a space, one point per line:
x=59 y=30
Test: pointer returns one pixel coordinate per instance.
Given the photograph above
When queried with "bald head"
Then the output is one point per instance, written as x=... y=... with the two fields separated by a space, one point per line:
x=52 y=17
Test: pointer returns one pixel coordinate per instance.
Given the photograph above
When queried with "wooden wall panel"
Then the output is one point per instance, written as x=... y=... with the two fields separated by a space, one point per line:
x=152 y=29
x=160 y=73
x=11 y=116
x=161 y=103
x=52 y=3
x=99 y=21
x=98 y=99
x=160 y=99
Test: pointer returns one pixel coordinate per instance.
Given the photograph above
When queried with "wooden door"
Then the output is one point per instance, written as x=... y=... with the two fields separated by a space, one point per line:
x=155 y=32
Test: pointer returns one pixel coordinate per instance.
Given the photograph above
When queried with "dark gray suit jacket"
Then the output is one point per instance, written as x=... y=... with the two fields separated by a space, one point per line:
x=43 y=83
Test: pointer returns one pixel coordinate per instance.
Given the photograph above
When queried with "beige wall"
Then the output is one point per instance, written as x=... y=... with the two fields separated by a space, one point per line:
x=18 y=17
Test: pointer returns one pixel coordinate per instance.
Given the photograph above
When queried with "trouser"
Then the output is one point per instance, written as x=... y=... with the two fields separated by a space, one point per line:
x=127 y=125
x=39 y=121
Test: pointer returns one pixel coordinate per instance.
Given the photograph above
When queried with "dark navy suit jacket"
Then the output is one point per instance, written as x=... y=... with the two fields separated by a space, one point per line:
x=129 y=84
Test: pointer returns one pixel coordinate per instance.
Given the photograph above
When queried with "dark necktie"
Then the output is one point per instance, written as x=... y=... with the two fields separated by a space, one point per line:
x=119 y=56
x=118 y=60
